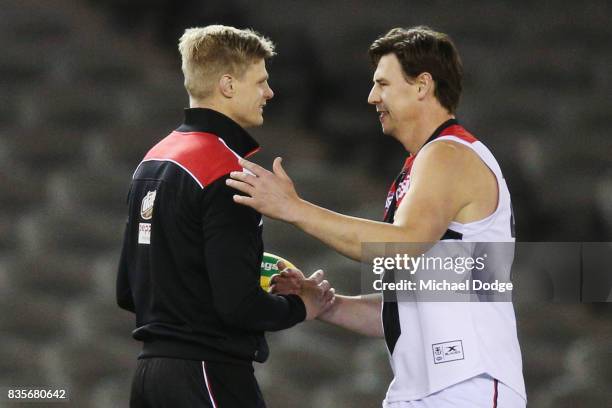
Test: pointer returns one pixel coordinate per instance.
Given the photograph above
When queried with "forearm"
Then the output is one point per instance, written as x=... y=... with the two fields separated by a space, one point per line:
x=232 y=250
x=264 y=312
x=360 y=314
x=346 y=234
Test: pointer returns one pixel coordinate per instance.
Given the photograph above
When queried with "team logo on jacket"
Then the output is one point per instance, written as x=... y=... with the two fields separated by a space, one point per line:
x=146 y=209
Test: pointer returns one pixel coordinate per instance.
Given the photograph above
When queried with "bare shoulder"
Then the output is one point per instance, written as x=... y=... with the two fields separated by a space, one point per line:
x=448 y=149
x=446 y=157
x=459 y=169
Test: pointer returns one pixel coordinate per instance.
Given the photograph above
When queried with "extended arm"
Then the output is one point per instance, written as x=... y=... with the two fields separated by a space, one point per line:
x=360 y=314
x=232 y=249
x=433 y=200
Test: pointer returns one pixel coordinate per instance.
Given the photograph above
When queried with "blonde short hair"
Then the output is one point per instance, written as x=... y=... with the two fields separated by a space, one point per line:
x=211 y=51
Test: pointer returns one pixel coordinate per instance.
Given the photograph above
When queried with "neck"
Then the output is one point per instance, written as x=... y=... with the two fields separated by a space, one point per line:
x=414 y=136
x=211 y=104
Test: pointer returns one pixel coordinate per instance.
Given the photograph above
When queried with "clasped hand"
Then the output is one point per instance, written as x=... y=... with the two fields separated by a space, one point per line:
x=316 y=293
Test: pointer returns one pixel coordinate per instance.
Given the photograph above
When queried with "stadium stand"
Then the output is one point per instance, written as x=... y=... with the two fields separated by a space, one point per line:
x=86 y=90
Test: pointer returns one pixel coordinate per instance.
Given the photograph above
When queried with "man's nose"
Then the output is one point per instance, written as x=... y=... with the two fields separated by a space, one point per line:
x=373 y=97
x=269 y=93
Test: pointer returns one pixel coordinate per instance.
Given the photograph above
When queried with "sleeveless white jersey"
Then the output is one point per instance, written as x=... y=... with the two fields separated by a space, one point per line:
x=439 y=344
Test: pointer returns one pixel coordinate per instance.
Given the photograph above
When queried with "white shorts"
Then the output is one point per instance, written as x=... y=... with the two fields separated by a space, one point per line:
x=477 y=392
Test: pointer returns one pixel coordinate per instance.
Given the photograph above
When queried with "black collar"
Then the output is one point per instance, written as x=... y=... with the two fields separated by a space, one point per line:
x=436 y=133
x=440 y=128
x=211 y=121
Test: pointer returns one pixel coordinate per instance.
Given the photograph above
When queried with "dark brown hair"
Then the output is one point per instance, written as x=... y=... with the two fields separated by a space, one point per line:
x=421 y=49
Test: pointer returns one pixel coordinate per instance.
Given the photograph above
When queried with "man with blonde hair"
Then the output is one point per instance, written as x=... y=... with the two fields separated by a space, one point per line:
x=190 y=264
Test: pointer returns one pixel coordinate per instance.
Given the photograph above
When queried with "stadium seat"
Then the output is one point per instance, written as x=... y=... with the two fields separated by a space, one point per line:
x=20 y=362
x=40 y=317
x=83 y=366
x=126 y=145
x=46 y=147
x=88 y=233
x=16 y=192
x=319 y=361
x=85 y=363
x=78 y=109
x=111 y=392
x=100 y=189
x=61 y=274
x=110 y=321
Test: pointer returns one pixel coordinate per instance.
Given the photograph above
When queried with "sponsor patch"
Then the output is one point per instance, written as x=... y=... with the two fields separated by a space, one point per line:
x=146 y=208
x=144 y=233
x=448 y=351
x=402 y=188
x=389 y=199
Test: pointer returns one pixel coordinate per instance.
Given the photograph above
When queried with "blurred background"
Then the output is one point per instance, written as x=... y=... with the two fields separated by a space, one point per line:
x=88 y=86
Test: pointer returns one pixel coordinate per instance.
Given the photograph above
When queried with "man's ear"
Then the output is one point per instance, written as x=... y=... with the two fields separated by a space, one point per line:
x=226 y=86
x=425 y=84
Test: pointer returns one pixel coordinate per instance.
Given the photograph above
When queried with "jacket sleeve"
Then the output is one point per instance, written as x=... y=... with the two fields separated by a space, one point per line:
x=233 y=248
x=124 y=291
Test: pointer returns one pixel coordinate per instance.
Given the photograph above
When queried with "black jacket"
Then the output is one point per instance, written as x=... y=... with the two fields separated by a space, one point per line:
x=190 y=264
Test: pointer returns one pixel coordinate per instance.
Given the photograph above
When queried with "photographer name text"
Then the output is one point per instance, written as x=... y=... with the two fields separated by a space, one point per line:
x=433 y=285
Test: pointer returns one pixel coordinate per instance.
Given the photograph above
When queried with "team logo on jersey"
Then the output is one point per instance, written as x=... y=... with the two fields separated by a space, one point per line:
x=146 y=209
x=402 y=188
x=448 y=351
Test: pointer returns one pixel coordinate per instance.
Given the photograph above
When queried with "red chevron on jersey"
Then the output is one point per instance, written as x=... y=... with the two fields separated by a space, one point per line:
x=460 y=132
x=203 y=155
x=403 y=184
x=398 y=189
x=400 y=186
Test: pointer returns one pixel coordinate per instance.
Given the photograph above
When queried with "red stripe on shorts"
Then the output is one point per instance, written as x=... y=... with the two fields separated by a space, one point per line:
x=495 y=393
x=208 y=387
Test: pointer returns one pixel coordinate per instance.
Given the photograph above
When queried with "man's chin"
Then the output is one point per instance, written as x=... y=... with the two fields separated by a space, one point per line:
x=255 y=122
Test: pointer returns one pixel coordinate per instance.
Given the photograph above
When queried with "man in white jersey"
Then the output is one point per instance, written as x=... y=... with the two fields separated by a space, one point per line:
x=450 y=189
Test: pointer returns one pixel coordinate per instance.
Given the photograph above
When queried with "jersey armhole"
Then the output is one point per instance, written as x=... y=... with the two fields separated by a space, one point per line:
x=472 y=147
